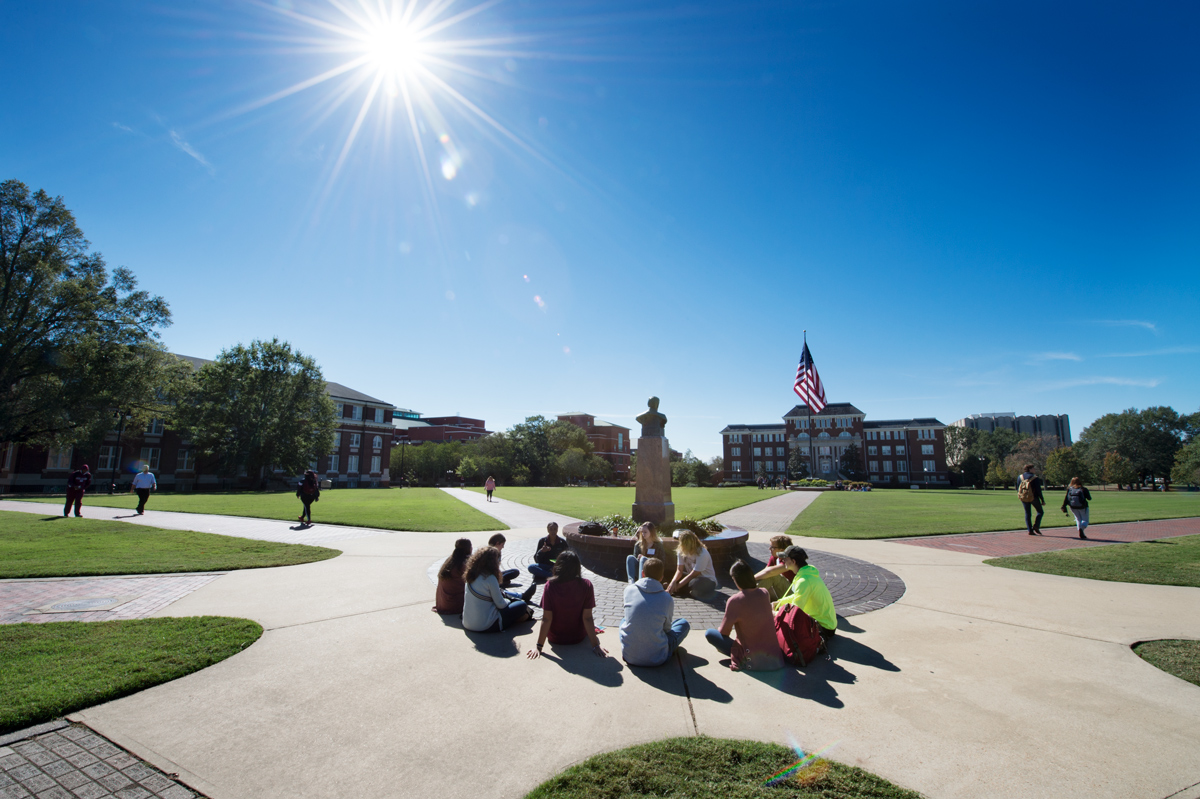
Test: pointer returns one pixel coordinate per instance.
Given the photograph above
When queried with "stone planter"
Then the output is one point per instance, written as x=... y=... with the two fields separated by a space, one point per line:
x=605 y=554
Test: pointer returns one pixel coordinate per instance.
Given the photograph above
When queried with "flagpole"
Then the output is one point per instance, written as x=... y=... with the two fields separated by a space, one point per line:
x=812 y=465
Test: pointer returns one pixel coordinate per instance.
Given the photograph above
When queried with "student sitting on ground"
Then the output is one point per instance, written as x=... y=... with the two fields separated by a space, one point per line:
x=507 y=575
x=485 y=608
x=648 y=545
x=567 y=606
x=808 y=591
x=695 y=576
x=549 y=547
x=451 y=586
x=648 y=635
x=775 y=577
x=749 y=613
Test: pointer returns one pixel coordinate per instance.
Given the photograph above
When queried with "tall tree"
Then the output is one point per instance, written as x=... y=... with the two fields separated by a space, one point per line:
x=798 y=463
x=1187 y=464
x=1063 y=464
x=532 y=454
x=960 y=443
x=76 y=341
x=258 y=407
x=1118 y=469
x=852 y=462
x=1148 y=438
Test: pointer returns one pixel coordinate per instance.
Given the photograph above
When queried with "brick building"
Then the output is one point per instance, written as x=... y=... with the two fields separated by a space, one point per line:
x=609 y=441
x=360 y=457
x=410 y=428
x=898 y=452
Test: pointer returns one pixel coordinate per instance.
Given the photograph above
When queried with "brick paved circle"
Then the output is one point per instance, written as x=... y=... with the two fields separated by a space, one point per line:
x=857 y=586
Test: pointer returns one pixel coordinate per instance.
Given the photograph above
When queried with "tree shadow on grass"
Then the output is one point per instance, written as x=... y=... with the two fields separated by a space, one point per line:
x=51 y=518
x=579 y=659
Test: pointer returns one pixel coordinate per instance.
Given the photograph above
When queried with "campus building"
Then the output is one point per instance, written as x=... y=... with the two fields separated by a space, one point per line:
x=895 y=452
x=409 y=428
x=1058 y=426
x=609 y=441
x=360 y=456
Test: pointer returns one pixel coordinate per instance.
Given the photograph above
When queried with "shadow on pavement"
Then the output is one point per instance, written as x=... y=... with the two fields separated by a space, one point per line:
x=579 y=659
x=677 y=677
x=813 y=683
x=846 y=626
x=848 y=649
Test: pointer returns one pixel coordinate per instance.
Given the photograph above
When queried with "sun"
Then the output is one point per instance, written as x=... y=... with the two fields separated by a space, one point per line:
x=394 y=48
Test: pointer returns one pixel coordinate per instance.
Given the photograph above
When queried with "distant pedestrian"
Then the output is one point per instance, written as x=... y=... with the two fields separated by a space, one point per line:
x=77 y=486
x=1077 y=499
x=309 y=491
x=143 y=484
x=1029 y=491
x=490 y=485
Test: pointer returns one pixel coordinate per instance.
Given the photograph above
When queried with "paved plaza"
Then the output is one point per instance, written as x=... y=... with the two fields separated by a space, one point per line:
x=1020 y=542
x=976 y=681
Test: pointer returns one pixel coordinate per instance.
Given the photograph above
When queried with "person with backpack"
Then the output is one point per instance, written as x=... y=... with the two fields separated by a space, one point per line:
x=77 y=486
x=1077 y=499
x=756 y=647
x=808 y=591
x=308 y=492
x=1029 y=491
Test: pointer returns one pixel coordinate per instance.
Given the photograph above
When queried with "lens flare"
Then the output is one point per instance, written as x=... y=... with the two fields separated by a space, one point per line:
x=805 y=761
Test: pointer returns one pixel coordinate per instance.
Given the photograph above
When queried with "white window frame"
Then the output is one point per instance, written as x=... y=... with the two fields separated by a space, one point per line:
x=377 y=443
x=341 y=410
x=356 y=440
x=929 y=466
x=375 y=461
x=155 y=428
x=333 y=463
x=379 y=416
x=151 y=455
x=59 y=459
x=927 y=449
x=356 y=412
x=185 y=460
x=352 y=465
x=106 y=461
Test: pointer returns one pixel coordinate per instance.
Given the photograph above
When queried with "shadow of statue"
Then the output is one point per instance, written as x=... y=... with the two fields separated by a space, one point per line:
x=579 y=659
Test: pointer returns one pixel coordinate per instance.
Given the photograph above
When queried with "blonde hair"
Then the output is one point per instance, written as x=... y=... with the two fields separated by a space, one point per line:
x=689 y=543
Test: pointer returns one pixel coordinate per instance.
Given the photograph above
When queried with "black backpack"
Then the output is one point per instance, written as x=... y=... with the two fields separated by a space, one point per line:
x=1075 y=498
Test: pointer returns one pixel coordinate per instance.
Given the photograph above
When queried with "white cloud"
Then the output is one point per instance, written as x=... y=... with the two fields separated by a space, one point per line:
x=1130 y=323
x=124 y=128
x=182 y=144
x=1057 y=356
x=1149 y=353
x=1100 y=381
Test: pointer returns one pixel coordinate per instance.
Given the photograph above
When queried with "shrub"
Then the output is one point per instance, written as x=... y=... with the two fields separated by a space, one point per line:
x=626 y=526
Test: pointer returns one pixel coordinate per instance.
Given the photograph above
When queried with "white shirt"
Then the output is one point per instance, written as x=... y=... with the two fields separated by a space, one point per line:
x=701 y=563
x=144 y=480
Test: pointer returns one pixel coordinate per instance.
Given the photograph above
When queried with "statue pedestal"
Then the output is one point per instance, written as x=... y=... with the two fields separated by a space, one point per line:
x=652 y=500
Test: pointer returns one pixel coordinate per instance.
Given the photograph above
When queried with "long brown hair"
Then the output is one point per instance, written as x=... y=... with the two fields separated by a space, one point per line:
x=1076 y=482
x=485 y=560
x=457 y=559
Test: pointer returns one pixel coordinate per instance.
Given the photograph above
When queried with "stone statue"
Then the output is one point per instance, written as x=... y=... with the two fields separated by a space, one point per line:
x=652 y=421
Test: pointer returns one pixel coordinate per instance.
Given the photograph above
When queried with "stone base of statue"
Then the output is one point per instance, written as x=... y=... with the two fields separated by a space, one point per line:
x=652 y=500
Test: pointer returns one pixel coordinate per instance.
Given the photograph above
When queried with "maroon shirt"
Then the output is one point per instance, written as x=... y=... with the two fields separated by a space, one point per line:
x=749 y=613
x=787 y=575
x=567 y=601
x=450 y=592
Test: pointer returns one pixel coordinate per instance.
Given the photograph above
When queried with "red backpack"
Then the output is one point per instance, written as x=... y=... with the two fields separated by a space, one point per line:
x=799 y=635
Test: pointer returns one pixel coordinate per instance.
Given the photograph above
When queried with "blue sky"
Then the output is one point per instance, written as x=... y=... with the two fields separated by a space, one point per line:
x=970 y=207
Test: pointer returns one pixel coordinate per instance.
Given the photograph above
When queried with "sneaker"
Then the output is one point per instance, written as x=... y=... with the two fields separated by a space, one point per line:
x=527 y=595
x=1084 y=537
x=1031 y=532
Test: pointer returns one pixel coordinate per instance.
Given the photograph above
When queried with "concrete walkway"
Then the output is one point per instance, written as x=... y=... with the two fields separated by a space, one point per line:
x=1020 y=542
x=773 y=515
x=979 y=682
x=514 y=514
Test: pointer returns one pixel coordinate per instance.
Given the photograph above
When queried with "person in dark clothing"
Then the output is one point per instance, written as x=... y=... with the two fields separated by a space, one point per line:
x=309 y=492
x=77 y=486
x=549 y=547
x=1077 y=499
x=1029 y=491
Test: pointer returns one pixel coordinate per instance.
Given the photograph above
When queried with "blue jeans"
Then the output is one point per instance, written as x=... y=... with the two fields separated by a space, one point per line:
x=1081 y=518
x=679 y=630
x=633 y=567
x=508 y=575
x=700 y=588
x=540 y=573
x=723 y=643
x=1029 y=506
x=509 y=616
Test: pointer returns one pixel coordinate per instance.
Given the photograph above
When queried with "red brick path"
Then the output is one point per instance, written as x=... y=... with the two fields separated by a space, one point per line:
x=1020 y=542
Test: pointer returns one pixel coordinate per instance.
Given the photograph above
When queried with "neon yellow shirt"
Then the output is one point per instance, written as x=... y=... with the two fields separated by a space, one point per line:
x=809 y=592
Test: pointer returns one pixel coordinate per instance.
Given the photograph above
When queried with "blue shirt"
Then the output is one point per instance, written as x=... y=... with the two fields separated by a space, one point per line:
x=648 y=612
x=144 y=480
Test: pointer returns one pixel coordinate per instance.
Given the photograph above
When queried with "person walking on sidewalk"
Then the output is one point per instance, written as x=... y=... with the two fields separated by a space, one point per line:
x=1029 y=491
x=77 y=486
x=490 y=486
x=1077 y=499
x=143 y=484
x=309 y=491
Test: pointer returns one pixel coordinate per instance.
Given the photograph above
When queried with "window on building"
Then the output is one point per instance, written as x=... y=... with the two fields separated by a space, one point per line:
x=929 y=466
x=356 y=412
x=58 y=458
x=356 y=439
x=736 y=465
x=620 y=441
x=872 y=450
x=758 y=452
x=150 y=455
x=379 y=415
x=333 y=463
x=781 y=465
x=377 y=442
x=873 y=466
x=887 y=450
x=887 y=466
x=824 y=450
x=341 y=410
x=769 y=466
x=374 y=464
x=352 y=464
x=900 y=449
x=155 y=428
x=337 y=440
x=927 y=449
x=107 y=460
x=735 y=451
x=185 y=460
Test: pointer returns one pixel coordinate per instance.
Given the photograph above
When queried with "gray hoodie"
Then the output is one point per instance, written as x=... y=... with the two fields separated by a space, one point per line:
x=648 y=612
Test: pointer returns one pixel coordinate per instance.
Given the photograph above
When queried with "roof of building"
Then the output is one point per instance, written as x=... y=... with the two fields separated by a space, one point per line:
x=408 y=424
x=595 y=422
x=331 y=388
x=832 y=409
x=927 y=422
x=752 y=428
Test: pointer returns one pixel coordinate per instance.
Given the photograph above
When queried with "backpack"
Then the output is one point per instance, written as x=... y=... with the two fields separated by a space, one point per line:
x=1025 y=491
x=310 y=486
x=1075 y=498
x=799 y=635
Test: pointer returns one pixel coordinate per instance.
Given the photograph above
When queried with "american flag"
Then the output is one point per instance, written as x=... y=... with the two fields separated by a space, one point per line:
x=808 y=383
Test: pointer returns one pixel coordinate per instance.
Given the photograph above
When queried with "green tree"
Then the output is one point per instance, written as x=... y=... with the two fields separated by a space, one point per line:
x=702 y=473
x=1187 y=464
x=852 y=463
x=997 y=444
x=76 y=342
x=1148 y=439
x=1062 y=464
x=1118 y=469
x=1035 y=450
x=599 y=470
x=562 y=436
x=961 y=442
x=532 y=454
x=573 y=464
x=798 y=464
x=1000 y=474
x=258 y=407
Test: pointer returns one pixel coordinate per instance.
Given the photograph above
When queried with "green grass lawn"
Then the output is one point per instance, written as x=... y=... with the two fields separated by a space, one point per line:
x=894 y=513
x=586 y=503
x=61 y=667
x=1167 y=561
x=37 y=546
x=1180 y=658
x=712 y=768
x=426 y=510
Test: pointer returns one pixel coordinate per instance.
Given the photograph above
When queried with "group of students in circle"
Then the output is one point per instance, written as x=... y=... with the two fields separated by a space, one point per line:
x=472 y=584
